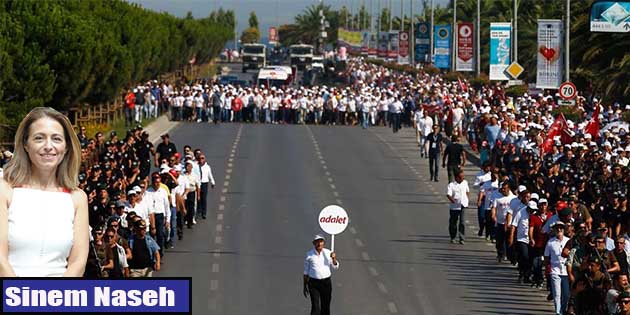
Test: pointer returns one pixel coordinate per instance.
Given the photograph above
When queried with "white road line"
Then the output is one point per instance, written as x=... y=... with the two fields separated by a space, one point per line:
x=325 y=167
x=220 y=217
x=336 y=194
x=339 y=201
x=392 y=307
x=226 y=183
x=216 y=255
x=230 y=159
x=381 y=287
x=219 y=227
x=467 y=221
x=228 y=176
x=229 y=170
x=215 y=267
x=229 y=165
x=358 y=242
x=222 y=199
x=327 y=173
x=373 y=271
x=365 y=256
x=214 y=285
x=218 y=240
x=322 y=161
x=330 y=179
x=353 y=230
x=221 y=207
x=224 y=191
x=333 y=186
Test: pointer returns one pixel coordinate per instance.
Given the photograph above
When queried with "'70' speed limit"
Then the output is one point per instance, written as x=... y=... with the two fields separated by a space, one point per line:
x=567 y=91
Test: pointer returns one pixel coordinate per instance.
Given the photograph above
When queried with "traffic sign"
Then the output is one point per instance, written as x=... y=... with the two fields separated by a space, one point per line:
x=514 y=70
x=566 y=102
x=567 y=90
x=333 y=220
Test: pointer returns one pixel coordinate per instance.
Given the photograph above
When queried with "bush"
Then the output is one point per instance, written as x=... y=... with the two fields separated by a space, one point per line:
x=480 y=81
x=452 y=76
x=570 y=113
x=516 y=90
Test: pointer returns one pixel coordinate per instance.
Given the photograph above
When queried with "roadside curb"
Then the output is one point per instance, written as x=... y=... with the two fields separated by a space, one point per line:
x=159 y=127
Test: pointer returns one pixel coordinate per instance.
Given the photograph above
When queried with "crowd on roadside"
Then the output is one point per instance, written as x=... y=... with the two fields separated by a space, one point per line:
x=136 y=214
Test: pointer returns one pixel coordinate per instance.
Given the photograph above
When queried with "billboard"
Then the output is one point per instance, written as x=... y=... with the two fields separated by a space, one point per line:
x=500 y=43
x=403 y=47
x=465 y=48
x=350 y=39
x=373 y=46
x=273 y=36
x=549 y=55
x=610 y=16
x=383 y=44
x=365 y=42
x=392 y=51
x=442 y=43
x=423 y=42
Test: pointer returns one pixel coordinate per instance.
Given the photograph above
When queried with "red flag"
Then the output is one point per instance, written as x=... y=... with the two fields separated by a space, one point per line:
x=558 y=128
x=593 y=125
x=462 y=85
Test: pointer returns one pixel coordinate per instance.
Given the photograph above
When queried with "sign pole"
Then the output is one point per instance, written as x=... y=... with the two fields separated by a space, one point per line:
x=567 y=24
x=332 y=243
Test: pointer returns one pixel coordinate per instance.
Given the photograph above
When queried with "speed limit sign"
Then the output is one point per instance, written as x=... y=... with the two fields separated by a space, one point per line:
x=567 y=90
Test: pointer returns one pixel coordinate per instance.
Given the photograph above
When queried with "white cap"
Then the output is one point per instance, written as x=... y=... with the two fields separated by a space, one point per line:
x=318 y=237
x=137 y=189
x=532 y=205
x=131 y=192
x=534 y=196
x=521 y=188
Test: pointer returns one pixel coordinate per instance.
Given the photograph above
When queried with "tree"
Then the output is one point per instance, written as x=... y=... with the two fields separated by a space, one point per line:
x=250 y=35
x=253 y=20
x=383 y=22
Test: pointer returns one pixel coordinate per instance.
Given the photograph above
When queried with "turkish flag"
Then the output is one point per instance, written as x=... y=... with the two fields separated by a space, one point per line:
x=558 y=128
x=593 y=125
x=462 y=85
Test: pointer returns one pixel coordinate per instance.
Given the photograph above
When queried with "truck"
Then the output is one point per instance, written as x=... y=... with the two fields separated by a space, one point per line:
x=254 y=56
x=301 y=56
x=274 y=76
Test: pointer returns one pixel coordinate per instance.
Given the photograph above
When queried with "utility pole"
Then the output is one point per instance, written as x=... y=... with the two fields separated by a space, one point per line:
x=515 y=47
x=402 y=15
x=412 y=37
x=567 y=27
x=478 y=37
x=431 y=33
x=391 y=16
x=454 y=33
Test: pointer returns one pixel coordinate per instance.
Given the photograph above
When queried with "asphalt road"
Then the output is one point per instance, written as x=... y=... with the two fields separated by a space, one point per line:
x=272 y=181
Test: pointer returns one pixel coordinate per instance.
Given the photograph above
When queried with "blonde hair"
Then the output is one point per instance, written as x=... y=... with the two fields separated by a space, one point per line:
x=18 y=171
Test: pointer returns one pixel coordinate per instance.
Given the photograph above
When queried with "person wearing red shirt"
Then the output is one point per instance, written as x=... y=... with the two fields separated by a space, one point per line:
x=538 y=240
x=237 y=106
x=130 y=104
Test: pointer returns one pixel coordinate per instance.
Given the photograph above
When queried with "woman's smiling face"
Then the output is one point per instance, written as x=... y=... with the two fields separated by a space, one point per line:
x=46 y=144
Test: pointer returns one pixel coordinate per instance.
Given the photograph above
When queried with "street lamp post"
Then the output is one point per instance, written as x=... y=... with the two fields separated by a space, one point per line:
x=515 y=31
x=454 y=34
x=412 y=37
x=478 y=37
x=567 y=27
x=431 y=33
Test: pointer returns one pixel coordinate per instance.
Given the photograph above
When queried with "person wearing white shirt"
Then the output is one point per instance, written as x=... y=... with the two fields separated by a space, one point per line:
x=159 y=203
x=396 y=111
x=193 y=192
x=426 y=127
x=205 y=178
x=520 y=224
x=417 y=119
x=457 y=193
x=139 y=205
x=502 y=215
x=317 y=276
x=559 y=276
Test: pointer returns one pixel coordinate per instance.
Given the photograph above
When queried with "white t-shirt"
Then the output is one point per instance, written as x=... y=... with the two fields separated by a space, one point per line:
x=521 y=222
x=459 y=192
x=490 y=190
x=553 y=250
x=502 y=205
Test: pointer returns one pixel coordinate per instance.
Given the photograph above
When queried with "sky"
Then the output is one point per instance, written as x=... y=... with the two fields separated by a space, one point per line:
x=269 y=12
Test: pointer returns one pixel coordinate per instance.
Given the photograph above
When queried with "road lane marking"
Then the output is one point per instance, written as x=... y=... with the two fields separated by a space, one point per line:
x=214 y=285
x=358 y=242
x=392 y=307
x=339 y=201
x=221 y=207
x=336 y=194
x=224 y=191
x=325 y=167
x=226 y=183
x=215 y=267
x=230 y=165
x=381 y=287
x=327 y=173
x=222 y=199
x=228 y=176
x=219 y=216
x=330 y=179
x=218 y=240
x=333 y=186
x=229 y=170
x=373 y=271
x=353 y=230
x=365 y=256
x=219 y=227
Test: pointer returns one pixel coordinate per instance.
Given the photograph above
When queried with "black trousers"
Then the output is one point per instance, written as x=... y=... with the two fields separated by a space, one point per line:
x=524 y=259
x=501 y=238
x=456 y=224
x=321 y=294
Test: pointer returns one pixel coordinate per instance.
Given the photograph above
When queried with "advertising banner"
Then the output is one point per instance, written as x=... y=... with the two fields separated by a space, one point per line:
x=465 y=47
x=383 y=44
x=349 y=39
x=500 y=43
x=610 y=16
x=392 y=52
x=365 y=42
x=273 y=36
x=423 y=42
x=373 y=46
x=442 y=42
x=550 y=61
x=403 y=47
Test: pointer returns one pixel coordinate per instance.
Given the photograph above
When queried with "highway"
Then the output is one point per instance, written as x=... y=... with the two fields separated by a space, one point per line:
x=272 y=181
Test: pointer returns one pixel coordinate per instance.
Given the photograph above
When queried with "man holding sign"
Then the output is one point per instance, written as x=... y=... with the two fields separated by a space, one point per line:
x=317 y=272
